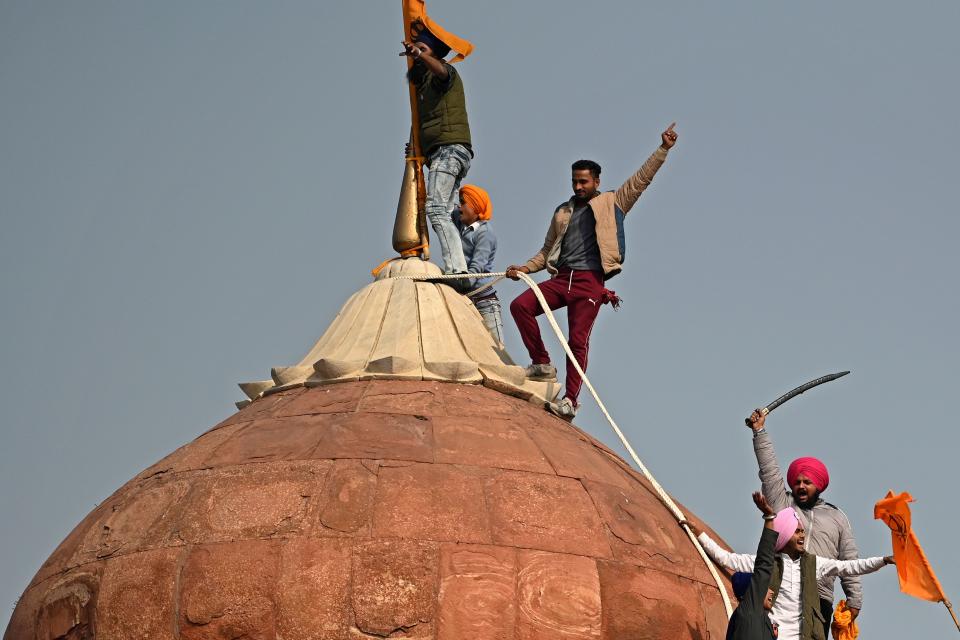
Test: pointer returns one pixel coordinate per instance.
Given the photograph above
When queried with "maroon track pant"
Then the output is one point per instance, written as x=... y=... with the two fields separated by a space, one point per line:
x=581 y=292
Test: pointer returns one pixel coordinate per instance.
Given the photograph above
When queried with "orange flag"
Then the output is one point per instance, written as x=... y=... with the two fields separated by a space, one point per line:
x=916 y=575
x=416 y=11
x=844 y=627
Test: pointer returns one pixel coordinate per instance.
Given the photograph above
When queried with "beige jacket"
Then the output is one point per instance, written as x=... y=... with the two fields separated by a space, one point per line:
x=609 y=210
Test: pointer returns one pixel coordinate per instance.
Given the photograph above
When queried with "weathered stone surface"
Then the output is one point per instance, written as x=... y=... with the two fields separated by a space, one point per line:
x=227 y=591
x=376 y=436
x=487 y=442
x=313 y=593
x=353 y=512
x=716 y=616
x=348 y=497
x=271 y=439
x=646 y=604
x=23 y=622
x=194 y=455
x=135 y=521
x=464 y=401
x=431 y=502
x=526 y=512
x=574 y=456
x=403 y=397
x=66 y=555
x=266 y=500
x=638 y=538
x=265 y=407
x=394 y=585
x=478 y=592
x=334 y=398
x=558 y=597
x=68 y=608
x=138 y=596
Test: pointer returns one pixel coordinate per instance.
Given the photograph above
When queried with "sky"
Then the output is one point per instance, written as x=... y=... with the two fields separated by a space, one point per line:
x=189 y=191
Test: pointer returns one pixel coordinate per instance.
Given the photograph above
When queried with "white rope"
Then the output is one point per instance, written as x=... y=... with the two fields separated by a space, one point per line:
x=661 y=493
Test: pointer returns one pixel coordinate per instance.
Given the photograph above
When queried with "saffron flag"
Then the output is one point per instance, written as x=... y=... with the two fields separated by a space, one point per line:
x=415 y=11
x=844 y=627
x=916 y=575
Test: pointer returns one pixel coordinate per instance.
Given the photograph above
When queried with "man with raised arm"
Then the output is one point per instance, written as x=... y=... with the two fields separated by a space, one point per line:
x=444 y=138
x=828 y=529
x=584 y=247
x=792 y=584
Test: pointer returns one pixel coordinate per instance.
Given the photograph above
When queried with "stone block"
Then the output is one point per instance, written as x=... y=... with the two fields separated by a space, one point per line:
x=137 y=520
x=349 y=495
x=431 y=502
x=271 y=439
x=403 y=397
x=478 y=592
x=227 y=591
x=335 y=398
x=394 y=585
x=266 y=500
x=264 y=407
x=544 y=512
x=558 y=597
x=313 y=591
x=193 y=456
x=375 y=436
x=138 y=596
x=487 y=441
x=646 y=604
x=574 y=456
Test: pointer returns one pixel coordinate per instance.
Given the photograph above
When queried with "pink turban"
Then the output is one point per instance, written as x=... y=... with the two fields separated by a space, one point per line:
x=785 y=524
x=810 y=467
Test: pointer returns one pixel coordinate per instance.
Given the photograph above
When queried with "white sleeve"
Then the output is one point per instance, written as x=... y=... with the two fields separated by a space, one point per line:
x=844 y=568
x=724 y=558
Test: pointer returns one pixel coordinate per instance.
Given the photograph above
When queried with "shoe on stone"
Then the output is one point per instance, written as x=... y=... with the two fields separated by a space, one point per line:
x=542 y=372
x=563 y=409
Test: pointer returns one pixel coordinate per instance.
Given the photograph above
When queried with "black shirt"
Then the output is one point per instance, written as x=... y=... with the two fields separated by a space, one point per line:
x=579 y=249
x=750 y=620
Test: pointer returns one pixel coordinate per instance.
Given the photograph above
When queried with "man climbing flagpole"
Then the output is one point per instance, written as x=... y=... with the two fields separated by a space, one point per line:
x=439 y=139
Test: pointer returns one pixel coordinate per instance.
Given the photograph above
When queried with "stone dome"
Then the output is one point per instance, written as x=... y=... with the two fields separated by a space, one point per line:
x=397 y=328
x=372 y=509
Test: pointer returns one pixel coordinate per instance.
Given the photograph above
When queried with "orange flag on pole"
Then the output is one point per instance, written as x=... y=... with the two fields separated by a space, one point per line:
x=416 y=11
x=916 y=575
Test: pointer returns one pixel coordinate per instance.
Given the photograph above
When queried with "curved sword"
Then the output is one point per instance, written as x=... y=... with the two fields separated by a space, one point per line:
x=795 y=392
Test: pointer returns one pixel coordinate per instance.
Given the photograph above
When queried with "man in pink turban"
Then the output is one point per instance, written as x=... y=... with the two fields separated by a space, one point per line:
x=773 y=602
x=829 y=533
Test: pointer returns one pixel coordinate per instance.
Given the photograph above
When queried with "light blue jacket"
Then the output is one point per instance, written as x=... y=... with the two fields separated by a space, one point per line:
x=479 y=246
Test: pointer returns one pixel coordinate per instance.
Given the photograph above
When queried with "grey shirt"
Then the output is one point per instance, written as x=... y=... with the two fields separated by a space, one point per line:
x=829 y=534
x=579 y=249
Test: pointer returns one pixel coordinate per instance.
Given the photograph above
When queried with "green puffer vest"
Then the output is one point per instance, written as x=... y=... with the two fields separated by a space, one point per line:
x=811 y=618
x=443 y=114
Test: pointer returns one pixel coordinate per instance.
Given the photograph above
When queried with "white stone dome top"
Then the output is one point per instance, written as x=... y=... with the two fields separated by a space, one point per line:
x=399 y=328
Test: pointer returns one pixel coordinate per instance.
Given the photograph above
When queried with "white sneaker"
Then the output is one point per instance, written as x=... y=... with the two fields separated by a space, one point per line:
x=563 y=409
x=542 y=372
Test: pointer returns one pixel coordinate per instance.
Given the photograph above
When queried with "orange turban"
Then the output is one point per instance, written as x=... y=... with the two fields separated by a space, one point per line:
x=478 y=199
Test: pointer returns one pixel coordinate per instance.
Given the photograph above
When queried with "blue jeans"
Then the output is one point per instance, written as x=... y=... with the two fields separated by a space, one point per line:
x=489 y=309
x=448 y=165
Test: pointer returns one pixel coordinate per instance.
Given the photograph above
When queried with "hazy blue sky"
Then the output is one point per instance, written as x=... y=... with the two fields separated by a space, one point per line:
x=190 y=190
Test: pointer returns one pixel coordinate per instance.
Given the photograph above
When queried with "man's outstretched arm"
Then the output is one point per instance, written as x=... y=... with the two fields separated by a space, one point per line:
x=774 y=488
x=630 y=191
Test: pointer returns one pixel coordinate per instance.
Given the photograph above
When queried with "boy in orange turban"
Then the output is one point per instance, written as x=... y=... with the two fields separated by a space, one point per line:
x=472 y=219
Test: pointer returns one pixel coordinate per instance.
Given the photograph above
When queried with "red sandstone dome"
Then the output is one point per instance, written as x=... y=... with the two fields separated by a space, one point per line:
x=378 y=509
x=401 y=481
